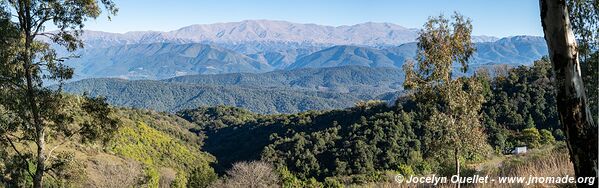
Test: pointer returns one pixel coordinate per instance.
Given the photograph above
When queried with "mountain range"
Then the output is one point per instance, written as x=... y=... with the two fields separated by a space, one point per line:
x=264 y=66
x=368 y=33
x=162 y=60
x=264 y=31
x=165 y=60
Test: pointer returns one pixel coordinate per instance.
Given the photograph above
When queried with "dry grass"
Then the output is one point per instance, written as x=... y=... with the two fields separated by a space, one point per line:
x=551 y=162
x=104 y=170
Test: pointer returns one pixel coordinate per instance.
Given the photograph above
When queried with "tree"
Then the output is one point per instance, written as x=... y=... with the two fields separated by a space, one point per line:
x=200 y=178
x=576 y=119
x=452 y=105
x=584 y=19
x=29 y=61
x=547 y=137
x=531 y=137
x=250 y=174
x=524 y=91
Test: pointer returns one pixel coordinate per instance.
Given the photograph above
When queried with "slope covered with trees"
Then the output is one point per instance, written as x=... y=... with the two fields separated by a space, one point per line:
x=149 y=149
x=162 y=96
x=343 y=79
x=162 y=60
x=520 y=99
x=362 y=142
x=273 y=92
x=168 y=152
x=354 y=145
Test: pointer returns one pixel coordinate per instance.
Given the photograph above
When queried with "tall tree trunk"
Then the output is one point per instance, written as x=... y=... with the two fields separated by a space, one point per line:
x=456 y=157
x=39 y=127
x=26 y=23
x=575 y=116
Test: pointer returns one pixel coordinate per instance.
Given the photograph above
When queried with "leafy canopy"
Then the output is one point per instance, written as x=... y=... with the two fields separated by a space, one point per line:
x=34 y=113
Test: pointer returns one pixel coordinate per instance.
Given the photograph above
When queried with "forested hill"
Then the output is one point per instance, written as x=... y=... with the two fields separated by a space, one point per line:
x=343 y=79
x=147 y=150
x=161 y=96
x=274 y=92
x=365 y=140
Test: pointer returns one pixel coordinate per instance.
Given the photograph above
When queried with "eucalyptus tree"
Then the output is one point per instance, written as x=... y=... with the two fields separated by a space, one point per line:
x=33 y=113
x=451 y=105
x=572 y=104
x=584 y=20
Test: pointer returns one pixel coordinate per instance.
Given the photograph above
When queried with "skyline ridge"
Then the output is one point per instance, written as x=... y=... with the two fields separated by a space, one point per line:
x=291 y=22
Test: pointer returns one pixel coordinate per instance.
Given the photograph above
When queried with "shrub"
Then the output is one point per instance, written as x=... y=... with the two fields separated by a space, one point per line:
x=547 y=137
x=200 y=178
x=250 y=174
x=332 y=183
x=531 y=137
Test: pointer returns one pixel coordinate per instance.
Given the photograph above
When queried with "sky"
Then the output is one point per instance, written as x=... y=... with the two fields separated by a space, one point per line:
x=498 y=18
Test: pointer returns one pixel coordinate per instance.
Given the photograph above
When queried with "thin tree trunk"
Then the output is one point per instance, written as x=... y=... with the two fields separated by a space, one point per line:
x=39 y=128
x=26 y=22
x=457 y=163
x=574 y=114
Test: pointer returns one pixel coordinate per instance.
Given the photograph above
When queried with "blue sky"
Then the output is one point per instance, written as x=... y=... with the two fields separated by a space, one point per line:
x=495 y=18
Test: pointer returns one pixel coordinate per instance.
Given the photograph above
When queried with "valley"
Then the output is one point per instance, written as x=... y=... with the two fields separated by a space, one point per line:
x=338 y=96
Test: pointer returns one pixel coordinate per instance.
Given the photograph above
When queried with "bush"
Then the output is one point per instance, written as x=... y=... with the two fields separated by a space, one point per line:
x=547 y=137
x=250 y=174
x=531 y=137
x=332 y=183
x=288 y=180
x=201 y=177
x=406 y=170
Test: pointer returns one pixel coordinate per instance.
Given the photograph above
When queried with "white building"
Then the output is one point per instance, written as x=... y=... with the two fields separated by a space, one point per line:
x=519 y=150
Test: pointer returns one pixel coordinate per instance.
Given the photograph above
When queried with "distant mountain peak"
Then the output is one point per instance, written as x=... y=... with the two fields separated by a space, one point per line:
x=169 y=59
x=522 y=38
x=274 y=31
x=369 y=33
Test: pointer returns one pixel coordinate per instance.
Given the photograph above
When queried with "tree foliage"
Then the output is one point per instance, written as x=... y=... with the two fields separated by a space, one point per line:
x=520 y=98
x=575 y=115
x=359 y=143
x=28 y=61
x=452 y=106
x=584 y=19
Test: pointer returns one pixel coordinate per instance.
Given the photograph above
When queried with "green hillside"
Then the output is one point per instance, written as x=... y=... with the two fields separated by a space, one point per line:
x=344 y=79
x=162 y=143
x=363 y=142
x=149 y=149
x=273 y=92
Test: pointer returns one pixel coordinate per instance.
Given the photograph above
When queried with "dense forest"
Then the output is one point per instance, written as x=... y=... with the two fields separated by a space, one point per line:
x=272 y=92
x=356 y=145
x=314 y=126
x=373 y=137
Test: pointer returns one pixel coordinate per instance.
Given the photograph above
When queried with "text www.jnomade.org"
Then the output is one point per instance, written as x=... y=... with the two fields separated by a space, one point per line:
x=477 y=179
